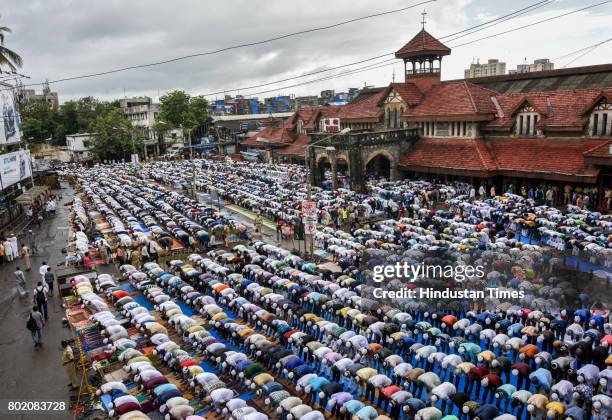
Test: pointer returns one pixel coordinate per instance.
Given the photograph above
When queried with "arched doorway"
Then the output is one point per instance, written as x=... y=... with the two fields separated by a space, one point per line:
x=322 y=171
x=379 y=167
x=342 y=167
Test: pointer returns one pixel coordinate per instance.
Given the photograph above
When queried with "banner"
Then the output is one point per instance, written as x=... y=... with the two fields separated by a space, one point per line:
x=14 y=168
x=9 y=126
x=331 y=125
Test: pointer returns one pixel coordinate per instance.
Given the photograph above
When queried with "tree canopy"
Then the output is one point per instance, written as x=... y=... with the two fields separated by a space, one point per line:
x=115 y=137
x=40 y=121
x=179 y=109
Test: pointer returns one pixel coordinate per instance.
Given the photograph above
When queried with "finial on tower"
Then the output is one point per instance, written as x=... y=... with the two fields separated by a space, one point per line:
x=393 y=76
x=423 y=22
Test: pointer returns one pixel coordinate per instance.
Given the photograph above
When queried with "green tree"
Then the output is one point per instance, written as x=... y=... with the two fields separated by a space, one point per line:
x=40 y=120
x=180 y=110
x=198 y=106
x=8 y=57
x=174 y=109
x=34 y=130
x=115 y=137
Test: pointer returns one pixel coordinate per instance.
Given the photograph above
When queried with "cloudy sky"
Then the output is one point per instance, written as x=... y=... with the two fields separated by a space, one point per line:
x=64 y=38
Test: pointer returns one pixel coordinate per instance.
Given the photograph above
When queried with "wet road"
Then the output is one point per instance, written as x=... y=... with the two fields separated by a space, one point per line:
x=28 y=373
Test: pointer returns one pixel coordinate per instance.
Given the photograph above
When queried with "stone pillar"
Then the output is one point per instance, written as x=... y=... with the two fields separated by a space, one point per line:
x=334 y=168
x=394 y=173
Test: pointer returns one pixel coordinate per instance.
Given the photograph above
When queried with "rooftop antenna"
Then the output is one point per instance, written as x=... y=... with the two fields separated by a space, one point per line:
x=423 y=22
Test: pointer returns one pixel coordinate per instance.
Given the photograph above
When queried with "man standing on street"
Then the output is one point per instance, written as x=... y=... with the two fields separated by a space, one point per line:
x=35 y=324
x=49 y=278
x=8 y=250
x=25 y=253
x=40 y=298
x=68 y=362
x=43 y=270
x=14 y=246
x=22 y=287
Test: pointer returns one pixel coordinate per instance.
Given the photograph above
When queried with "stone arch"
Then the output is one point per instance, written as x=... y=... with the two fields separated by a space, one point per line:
x=384 y=152
x=381 y=163
x=322 y=162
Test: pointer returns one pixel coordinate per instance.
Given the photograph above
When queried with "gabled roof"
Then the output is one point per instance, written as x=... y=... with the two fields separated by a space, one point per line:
x=605 y=94
x=423 y=43
x=296 y=149
x=559 y=110
x=600 y=151
x=366 y=110
x=271 y=136
x=409 y=92
x=449 y=100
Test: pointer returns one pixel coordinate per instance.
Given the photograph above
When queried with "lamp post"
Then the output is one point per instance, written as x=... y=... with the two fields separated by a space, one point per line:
x=309 y=175
x=193 y=166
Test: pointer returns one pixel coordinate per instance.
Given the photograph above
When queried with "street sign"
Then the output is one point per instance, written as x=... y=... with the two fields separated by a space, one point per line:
x=309 y=227
x=309 y=210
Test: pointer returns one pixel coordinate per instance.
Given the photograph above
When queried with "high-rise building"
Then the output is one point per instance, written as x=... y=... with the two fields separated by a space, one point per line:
x=492 y=68
x=541 y=64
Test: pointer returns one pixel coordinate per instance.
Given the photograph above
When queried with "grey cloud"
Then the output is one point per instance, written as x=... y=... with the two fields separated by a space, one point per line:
x=59 y=38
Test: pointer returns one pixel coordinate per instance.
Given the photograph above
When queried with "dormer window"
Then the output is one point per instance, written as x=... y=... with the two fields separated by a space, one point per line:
x=525 y=121
x=601 y=120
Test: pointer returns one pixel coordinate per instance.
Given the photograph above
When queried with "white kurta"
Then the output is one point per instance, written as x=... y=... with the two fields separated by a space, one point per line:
x=14 y=246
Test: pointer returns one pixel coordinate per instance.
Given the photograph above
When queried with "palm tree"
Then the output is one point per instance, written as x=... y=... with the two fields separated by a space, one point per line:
x=8 y=57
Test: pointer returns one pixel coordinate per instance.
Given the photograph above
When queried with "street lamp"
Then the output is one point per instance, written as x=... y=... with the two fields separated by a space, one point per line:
x=309 y=172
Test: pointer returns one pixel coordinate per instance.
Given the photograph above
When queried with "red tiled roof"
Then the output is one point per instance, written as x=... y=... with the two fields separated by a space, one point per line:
x=423 y=43
x=365 y=110
x=560 y=157
x=558 y=109
x=297 y=148
x=461 y=154
x=307 y=114
x=409 y=92
x=601 y=151
x=453 y=99
x=270 y=136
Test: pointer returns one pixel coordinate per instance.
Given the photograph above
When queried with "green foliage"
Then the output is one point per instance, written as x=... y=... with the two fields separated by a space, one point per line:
x=179 y=109
x=114 y=136
x=8 y=57
x=41 y=121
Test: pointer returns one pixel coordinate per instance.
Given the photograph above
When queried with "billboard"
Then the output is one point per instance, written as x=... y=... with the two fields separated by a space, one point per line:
x=14 y=168
x=10 y=125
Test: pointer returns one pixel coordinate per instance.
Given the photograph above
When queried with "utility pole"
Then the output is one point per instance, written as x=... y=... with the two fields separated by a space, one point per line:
x=144 y=143
x=193 y=166
x=310 y=179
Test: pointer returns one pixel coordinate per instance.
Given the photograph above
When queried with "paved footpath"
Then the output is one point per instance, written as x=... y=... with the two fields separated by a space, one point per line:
x=28 y=373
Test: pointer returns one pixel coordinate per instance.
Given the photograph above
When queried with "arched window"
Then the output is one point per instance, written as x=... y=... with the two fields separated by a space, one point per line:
x=387 y=118
x=526 y=121
x=600 y=124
